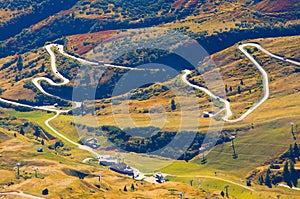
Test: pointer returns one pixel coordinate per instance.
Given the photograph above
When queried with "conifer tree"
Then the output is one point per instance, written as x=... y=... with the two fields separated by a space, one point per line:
x=20 y=63
x=291 y=153
x=260 y=180
x=239 y=90
x=293 y=174
x=268 y=179
x=22 y=132
x=286 y=173
x=241 y=82
x=173 y=105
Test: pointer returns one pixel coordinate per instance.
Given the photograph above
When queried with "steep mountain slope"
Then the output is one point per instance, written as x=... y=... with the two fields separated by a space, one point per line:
x=236 y=72
x=244 y=150
x=201 y=19
x=270 y=6
x=16 y=15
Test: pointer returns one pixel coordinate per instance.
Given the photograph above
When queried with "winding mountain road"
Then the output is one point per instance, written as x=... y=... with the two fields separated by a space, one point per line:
x=36 y=82
x=228 y=113
x=264 y=74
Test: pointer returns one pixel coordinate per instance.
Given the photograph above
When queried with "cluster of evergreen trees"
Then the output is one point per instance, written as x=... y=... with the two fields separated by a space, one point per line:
x=132 y=188
x=289 y=174
x=141 y=140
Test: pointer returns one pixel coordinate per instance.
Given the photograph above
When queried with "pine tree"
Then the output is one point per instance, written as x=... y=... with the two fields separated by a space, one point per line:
x=293 y=174
x=260 y=180
x=226 y=88
x=273 y=179
x=268 y=179
x=125 y=188
x=132 y=187
x=222 y=194
x=42 y=142
x=43 y=67
x=37 y=132
x=230 y=88
x=286 y=173
x=20 y=63
x=239 y=90
x=22 y=132
x=241 y=82
x=173 y=105
x=296 y=151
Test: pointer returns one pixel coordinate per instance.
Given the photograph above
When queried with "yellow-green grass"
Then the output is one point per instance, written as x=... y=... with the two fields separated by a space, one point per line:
x=26 y=149
x=274 y=108
x=236 y=191
x=62 y=124
x=39 y=117
x=254 y=148
x=269 y=139
x=143 y=162
x=283 y=97
x=65 y=128
x=266 y=141
x=281 y=107
x=61 y=184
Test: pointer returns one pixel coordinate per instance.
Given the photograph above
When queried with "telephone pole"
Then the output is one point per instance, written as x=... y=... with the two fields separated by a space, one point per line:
x=99 y=177
x=18 y=167
x=292 y=130
x=226 y=190
x=36 y=171
x=233 y=148
x=191 y=182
